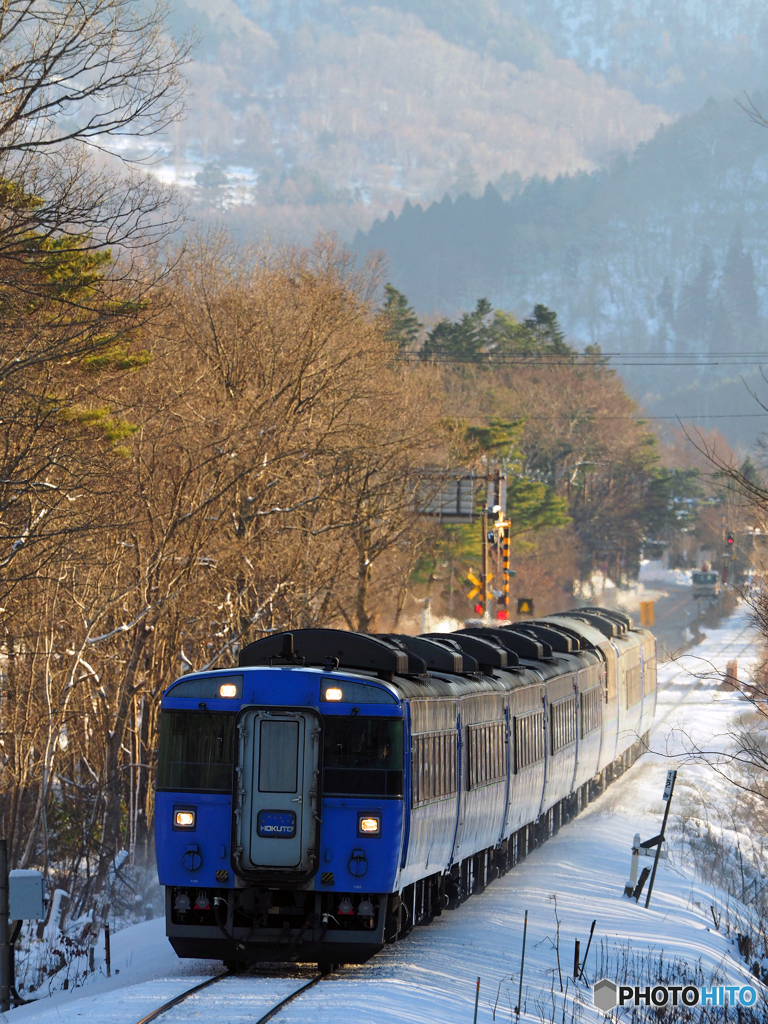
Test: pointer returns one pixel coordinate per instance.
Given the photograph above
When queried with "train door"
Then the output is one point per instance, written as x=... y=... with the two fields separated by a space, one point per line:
x=276 y=802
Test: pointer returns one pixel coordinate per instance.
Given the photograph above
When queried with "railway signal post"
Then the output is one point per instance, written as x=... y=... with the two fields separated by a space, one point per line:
x=669 y=789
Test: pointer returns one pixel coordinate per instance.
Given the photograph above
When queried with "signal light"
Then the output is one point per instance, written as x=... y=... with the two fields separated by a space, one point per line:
x=184 y=819
x=479 y=609
x=729 y=538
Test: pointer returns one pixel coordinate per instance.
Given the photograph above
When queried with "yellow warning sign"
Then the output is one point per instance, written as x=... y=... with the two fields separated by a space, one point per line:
x=525 y=606
x=646 y=613
x=478 y=586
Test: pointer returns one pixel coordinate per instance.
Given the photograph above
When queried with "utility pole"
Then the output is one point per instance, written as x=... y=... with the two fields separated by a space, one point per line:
x=484 y=570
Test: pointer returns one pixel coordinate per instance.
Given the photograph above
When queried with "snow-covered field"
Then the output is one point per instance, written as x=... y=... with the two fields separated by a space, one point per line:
x=431 y=977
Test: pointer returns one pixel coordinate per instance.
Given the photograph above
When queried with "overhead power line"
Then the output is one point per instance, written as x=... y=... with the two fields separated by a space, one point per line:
x=641 y=419
x=647 y=359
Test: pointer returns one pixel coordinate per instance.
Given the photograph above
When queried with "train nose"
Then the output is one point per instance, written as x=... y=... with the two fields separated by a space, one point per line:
x=276 y=800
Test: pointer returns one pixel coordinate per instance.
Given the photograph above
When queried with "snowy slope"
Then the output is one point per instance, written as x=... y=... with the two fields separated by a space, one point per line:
x=432 y=975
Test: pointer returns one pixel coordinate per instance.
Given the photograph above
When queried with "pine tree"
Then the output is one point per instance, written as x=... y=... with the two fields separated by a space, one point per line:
x=402 y=326
x=466 y=341
x=544 y=323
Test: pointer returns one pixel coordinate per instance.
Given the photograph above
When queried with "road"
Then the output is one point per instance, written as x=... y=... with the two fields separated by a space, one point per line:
x=679 y=621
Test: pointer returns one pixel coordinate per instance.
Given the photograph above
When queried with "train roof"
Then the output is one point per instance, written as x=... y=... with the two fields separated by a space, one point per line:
x=483 y=658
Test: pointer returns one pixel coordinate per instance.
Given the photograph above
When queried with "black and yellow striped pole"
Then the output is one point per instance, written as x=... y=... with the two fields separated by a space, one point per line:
x=503 y=612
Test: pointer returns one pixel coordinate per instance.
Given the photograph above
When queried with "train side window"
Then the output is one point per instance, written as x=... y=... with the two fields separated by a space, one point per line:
x=634 y=686
x=590 y=711
x=529 y=739
x=362 y=756
x=649 y=675
x=486 y=753
x=563 y=723
x=434 y=768
x=611 y=682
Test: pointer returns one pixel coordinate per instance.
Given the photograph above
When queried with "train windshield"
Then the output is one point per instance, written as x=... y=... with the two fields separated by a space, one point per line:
x=704 y=578
x=196 y=751
x=362 y=756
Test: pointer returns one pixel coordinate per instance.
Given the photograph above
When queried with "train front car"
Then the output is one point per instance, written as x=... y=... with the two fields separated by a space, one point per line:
x=279 y=809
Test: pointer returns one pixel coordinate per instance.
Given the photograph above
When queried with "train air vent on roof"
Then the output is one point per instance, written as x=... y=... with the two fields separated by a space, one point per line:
x=580 y=643
x=438 y=657
x=606 y=627
x=471 y=664
x=521 y=629
x=488 y=654
x=514 y=643
x=614 y=616
x=327 y=648
x=557 y=640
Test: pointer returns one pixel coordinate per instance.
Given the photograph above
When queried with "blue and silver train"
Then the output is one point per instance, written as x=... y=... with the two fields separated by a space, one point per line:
x=337 y=789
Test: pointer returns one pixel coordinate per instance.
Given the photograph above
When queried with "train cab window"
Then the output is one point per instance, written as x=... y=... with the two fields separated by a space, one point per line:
x=362 y=756
x=196 y=752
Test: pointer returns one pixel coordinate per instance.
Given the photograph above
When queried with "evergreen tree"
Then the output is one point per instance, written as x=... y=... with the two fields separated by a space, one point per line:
x=696 y=309
x=466 y=341
x=402 y=326
x=739 y=294
x=544 y=324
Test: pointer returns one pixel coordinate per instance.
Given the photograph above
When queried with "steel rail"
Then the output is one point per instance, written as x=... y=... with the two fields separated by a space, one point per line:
x=220 y=977
x=698 y=683
x=180 y=998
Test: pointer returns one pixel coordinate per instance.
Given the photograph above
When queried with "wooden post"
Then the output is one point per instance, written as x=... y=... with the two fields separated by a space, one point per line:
x=107 y=951
x=576 y=962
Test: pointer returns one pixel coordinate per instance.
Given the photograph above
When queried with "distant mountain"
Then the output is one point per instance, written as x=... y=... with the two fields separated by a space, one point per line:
x=328 y=114
x=675 y=53
x=665 y=252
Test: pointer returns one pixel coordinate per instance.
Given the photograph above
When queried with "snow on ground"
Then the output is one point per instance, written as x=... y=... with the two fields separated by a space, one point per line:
x=432 y=975
x=652 y=571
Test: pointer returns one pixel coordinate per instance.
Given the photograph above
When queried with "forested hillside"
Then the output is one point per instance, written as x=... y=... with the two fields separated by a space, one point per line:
x=316 y=115
x=664 y=253
x=306 y=114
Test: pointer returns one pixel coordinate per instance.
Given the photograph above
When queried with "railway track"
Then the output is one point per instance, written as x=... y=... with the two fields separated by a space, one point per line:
x=699 y=682
x=228 y=976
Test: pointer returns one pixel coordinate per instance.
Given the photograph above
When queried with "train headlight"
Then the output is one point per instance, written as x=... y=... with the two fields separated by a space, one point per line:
x=333 y=693
x=184 y=818
x=228 y=690
x=369 y=824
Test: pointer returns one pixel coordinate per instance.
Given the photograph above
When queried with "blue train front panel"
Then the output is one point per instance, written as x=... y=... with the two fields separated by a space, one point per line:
x=279 y=813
